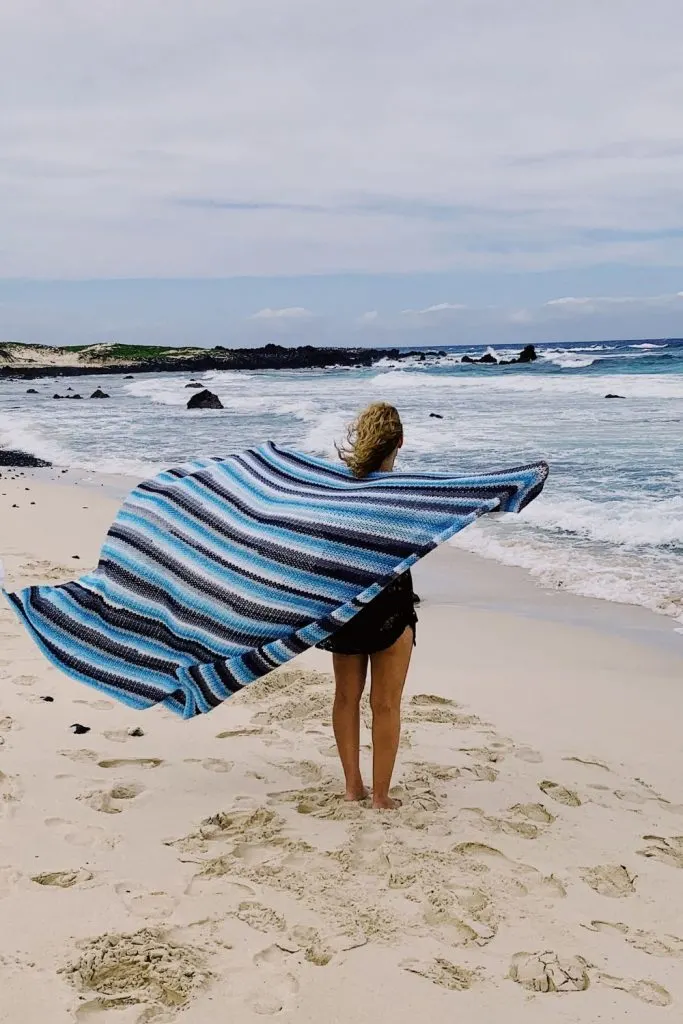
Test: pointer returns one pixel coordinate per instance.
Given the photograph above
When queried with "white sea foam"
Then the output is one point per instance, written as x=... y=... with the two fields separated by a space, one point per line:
x=630 y=385
x=625 y=581
x=23 y=435
x=629 y=524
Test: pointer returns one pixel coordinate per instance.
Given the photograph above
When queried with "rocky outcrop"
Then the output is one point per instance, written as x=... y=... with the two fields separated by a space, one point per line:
x=204 y=400
x=99 y=359
x=610 y=395
x=14 y=458
x=194 y=384
x=99 y=393
x=527 y=355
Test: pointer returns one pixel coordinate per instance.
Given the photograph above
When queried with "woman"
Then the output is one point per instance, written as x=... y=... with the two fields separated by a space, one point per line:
x=382 y=634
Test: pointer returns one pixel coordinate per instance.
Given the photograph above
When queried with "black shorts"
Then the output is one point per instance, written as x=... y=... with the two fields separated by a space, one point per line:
x=379 y=624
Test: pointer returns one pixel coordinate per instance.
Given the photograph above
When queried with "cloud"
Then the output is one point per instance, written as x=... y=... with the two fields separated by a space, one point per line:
x=440 y=307
x=288 y=313
x=606 y=303
x=388 y=137
x=368 y=318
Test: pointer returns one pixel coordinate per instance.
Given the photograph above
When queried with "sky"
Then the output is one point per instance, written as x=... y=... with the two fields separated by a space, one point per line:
x=372 y=172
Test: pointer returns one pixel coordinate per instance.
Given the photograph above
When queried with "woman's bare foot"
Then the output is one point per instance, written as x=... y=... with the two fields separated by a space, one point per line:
x=386 y=804
x=356 y=793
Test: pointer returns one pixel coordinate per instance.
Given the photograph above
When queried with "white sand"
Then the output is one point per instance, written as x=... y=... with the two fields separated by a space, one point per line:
x=213 y=877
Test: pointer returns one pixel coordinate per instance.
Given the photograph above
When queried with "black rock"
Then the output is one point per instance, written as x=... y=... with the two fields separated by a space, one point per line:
x=48 y=700
x=79 y=729
x=57 y=396
x=527 y=355
x=99 y=394
x=129 y=376
x=204 y=400
x=435 y=416
x=486 y=359
x=610 y=395
x=422 y=357
x=74 y=397
x=31 y=391
x=10 y=458
x=194 y=385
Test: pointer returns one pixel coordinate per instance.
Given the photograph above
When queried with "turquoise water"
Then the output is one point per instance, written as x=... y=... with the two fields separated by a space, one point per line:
x=610 y=523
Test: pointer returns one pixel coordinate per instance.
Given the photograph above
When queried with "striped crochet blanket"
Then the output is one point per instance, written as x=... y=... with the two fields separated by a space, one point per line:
x=216 y=572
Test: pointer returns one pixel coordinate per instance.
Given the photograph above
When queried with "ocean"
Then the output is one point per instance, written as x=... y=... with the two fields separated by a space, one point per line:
x=609 y=524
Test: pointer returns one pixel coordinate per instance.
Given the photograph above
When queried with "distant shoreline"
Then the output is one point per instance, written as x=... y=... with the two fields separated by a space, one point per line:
x=27 y=362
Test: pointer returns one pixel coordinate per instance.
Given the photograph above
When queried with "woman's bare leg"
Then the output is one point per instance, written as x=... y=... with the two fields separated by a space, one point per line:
x=350 y=671
x=389 y=671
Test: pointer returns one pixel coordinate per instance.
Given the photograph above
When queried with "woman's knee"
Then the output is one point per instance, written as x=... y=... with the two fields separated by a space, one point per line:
x=348 y=692
x=385 y=702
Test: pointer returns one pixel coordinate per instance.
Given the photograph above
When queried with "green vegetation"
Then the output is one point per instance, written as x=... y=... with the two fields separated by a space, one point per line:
x=116 y=352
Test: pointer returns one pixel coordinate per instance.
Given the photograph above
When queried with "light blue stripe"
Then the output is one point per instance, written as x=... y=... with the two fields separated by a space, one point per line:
x=300 y=578
x=217 y=575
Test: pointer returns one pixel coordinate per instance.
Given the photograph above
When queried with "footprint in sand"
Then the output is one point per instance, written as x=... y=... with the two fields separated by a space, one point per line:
x=260 y=917
x=647 y=942
x=131 y=762
x=120 y=735
x=308 y=942
x=442 y=972
x=216 y=764
x=106 y=800
x=515 y=878
x=151 y=905
x=7 y=724
x=609 y=880
x=667 y=851
x=527 y=754
x=644 y=990
x=96 y=705
x=559 y=793
x=321 y=803
x=257 y=825
x=275 y=995
x=89 y=836
x=9 y=880
x=518 y=826
x=427 y=707
x=454 y=924
x=307 y=771
x=147 y=968
x=10 y=794
x=25 y=680
x=64 y=879
x=548 y=972
x=80 y=756
x=533 y=812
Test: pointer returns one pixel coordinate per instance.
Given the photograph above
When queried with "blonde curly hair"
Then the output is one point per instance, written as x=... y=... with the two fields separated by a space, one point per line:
x=371 y=438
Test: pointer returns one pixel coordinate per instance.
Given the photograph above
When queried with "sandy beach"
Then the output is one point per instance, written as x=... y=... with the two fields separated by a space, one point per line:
x=153 y=870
